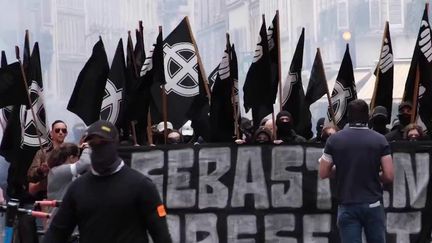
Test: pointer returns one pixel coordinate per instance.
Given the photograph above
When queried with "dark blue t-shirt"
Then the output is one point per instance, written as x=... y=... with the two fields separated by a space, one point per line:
x=357 y=152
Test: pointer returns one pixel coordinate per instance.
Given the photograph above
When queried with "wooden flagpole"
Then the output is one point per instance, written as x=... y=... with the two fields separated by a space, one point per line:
x=149 y=129
x=332 y=114
x=164 y=106
x=415 y=95
x=27 y=92
x=372 y=104
x=233 y=98
x=417 y=84
x=132 y=123
x=277 y=27
x=201 y=66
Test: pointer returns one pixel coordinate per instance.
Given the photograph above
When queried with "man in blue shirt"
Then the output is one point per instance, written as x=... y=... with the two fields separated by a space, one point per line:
x=360 y=160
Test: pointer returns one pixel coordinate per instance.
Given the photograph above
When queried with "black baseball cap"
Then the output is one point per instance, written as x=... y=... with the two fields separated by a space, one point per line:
x=404 y=104
x=104 y=129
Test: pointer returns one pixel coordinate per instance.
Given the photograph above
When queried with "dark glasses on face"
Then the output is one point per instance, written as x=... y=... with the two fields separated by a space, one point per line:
x=63 y=130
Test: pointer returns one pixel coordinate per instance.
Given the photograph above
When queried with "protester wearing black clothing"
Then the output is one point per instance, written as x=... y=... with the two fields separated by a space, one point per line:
x=285 y=132
x=404 y=116
x=378 y=120
x=319 y=127
x=113 y=203
x=262 y=136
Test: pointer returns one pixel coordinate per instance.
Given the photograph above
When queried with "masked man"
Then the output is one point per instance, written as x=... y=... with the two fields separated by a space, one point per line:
x=112 y=203
x=285 y=132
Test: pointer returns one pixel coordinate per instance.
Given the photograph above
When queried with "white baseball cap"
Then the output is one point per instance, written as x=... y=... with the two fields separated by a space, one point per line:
x=186 y=129
x=160 y=127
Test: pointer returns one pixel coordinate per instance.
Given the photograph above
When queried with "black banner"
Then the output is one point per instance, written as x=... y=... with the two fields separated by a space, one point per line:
x=235 y=193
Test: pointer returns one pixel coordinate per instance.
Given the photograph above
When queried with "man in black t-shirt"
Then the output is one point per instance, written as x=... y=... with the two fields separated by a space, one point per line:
x=356 y=155
x=112 y=203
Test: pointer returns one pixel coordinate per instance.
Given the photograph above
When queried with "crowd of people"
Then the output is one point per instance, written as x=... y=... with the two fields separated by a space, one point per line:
x=281 y=131
x=55 y=168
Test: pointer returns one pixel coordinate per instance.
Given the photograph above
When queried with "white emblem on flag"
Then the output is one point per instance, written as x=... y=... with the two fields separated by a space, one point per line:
x=287 y=89
x=33 y=128
x=386 y=61
x=339 y=100
x=181 y=69
x=112 y=101
x=270 y=39
x=148 y=64
x=224 y=67
x=425 y=41
x=258 y=51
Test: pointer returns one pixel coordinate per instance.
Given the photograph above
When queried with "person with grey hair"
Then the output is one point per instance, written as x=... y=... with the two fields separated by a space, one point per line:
x=360 y=161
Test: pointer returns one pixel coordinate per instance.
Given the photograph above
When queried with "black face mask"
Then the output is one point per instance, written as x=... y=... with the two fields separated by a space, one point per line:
x=404 y=119
x=187 y=138
x=104 y=158
x=379 y=121
x=284 y=128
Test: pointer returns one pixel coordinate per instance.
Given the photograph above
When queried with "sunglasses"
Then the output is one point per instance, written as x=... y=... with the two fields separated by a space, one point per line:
x=63 y=130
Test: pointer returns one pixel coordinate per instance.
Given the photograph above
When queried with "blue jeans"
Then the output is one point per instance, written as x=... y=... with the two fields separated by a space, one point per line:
x=352 y=218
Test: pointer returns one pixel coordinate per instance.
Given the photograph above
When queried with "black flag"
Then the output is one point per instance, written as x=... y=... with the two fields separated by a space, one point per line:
x=273 y=44
x=221 y=108
x=383 y=91
x=112 y=103
x=235 y=76
x=257 y=89
x=344 y=90
x=13 y=90
x=5 y=112
x=184 y=83
x=418 y=86
x=3 y=59
x=293 y=96
x=317 y=86
x=139 y=51
x=26 y=57
x=21 y=138
x=87 y=96
x=152 y=75
x=35 y=129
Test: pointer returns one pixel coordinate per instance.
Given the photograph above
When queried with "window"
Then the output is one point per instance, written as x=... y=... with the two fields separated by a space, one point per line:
x=374 y=14
x=342 y=15
x=396 y=13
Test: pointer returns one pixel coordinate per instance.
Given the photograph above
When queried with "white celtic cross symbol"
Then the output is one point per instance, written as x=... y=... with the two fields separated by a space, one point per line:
x=187 y=69
x=289 y=83
x=112 y=101
x=26 y=116
x=339 y=100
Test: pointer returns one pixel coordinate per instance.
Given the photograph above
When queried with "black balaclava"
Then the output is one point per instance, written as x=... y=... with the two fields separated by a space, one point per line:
x=378 y=120
x=104 y=158
x=404 y=118
x=284 y=129
x=319 y=127
x=103 y=139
